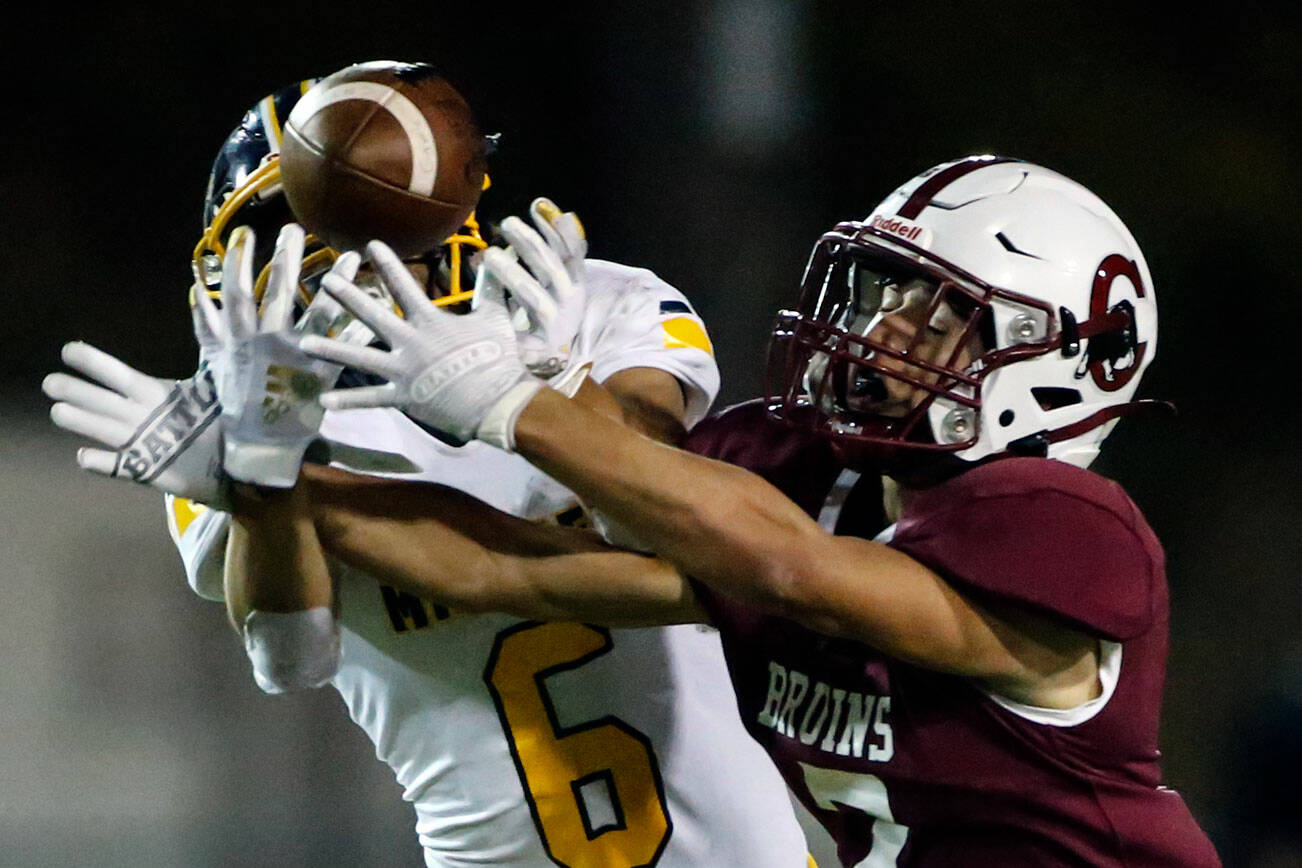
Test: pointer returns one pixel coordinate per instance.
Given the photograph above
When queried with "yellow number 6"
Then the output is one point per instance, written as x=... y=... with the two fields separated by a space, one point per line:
x=560 y=765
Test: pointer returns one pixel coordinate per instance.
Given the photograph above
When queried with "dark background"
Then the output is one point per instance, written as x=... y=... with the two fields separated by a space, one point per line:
x=711 y=142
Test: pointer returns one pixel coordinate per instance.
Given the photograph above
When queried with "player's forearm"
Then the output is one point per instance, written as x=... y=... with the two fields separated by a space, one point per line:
x=397 y=533
x=609 y=587
x=441 y=544
x=718 y=523
x=274 y=560
x=735 y=532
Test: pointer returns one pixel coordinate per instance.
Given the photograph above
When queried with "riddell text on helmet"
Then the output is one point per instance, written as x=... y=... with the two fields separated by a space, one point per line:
x=903 y=228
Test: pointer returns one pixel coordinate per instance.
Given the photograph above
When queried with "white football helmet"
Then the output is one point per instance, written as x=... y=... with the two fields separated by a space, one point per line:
x=1058 y=305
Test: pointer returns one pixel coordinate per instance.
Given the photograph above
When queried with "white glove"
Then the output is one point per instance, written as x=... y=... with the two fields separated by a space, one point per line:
x=268 y=388
x=459 y=373
x=548 y=299
x=159 y=432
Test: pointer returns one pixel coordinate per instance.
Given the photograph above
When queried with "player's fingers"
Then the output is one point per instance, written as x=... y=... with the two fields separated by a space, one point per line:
x=382 y=320
x=113 y=373
x=78 y=392
x=399 y=281
x=503 y=268
x=238 y=310
x=326 y=316
x=564 y=233
x=97 y=460
x=571 y=231
x=488 y=289
x=209 y=330
x=543 y=212
x=543 y=261
x=346 y=265
x=324 y=313
x=282 y=283
x=385 y=395
x=348 y=355
x=356 y=333
x=321 y=315
x=102 y=429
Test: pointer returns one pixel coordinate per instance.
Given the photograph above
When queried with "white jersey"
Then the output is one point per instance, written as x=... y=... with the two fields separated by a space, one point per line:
x=529 y=744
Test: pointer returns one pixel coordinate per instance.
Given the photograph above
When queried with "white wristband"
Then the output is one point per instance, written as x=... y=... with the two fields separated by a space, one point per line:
x=292 y=650
x=269 y=464
x=498 y=425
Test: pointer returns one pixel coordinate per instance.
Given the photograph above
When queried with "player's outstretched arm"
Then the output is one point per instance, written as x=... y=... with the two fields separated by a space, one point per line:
x=274 y=561
x=444 y=545
x=717 y=523
x=278 y=588
x=734 y=531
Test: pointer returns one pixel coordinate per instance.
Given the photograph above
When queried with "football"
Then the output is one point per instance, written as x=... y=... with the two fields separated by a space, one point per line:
x=382 y=150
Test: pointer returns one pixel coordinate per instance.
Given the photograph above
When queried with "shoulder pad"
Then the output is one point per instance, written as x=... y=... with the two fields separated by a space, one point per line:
x=1046 y=534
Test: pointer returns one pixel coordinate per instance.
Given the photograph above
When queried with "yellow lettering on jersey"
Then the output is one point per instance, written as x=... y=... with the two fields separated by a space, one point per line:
x=563 y=767
x=183 y=512
x=684 y=331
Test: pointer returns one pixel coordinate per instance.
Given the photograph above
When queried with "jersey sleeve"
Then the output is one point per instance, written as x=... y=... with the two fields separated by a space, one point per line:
x=199 y=534
x=1040 y=533
x=637 y=320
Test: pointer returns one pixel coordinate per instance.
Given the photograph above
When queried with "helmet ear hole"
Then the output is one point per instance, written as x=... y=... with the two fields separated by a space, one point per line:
x=1006 y=418
x=1115 y=345
x=1053 y=397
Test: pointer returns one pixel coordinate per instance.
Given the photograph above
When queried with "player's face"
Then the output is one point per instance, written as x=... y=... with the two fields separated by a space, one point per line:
x=924 y=331
x=903 y=315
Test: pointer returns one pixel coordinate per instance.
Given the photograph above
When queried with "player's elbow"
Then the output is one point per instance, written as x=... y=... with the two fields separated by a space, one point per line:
x=792 y=591
x=292 y=651
x=799 y=584
x=777 y=588
x=758 y=556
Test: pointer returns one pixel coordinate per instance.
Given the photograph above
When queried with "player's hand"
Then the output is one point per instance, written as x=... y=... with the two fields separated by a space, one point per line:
x=158 y=432
x=267 y=387
x=542 y=270
x=459 y=373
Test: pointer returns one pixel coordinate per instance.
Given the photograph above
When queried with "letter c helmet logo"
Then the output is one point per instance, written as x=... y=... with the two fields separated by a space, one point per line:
x=1106 y=376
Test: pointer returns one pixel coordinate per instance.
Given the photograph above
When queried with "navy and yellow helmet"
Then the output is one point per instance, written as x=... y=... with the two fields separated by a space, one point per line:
x=244 y=189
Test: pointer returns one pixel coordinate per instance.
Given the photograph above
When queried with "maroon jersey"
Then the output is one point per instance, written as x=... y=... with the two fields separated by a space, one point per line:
x=906 y=766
